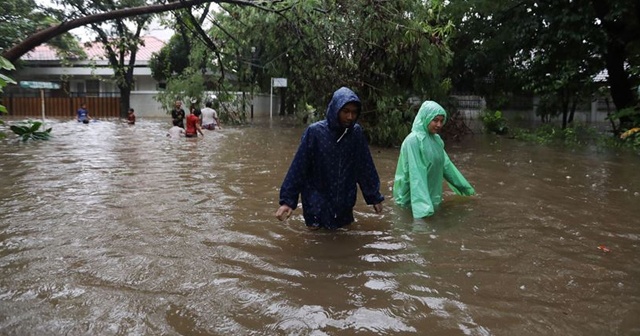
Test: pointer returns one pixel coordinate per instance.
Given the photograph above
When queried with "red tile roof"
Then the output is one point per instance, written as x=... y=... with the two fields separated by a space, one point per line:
x=95 y=51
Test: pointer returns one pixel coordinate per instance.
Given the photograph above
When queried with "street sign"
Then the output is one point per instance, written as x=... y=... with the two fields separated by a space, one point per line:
x=279 y=82
x=39 y=85
x=275 y=82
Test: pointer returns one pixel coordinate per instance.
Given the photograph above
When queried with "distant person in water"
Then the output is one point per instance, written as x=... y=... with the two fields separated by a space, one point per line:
x=210 y=117
x=193 y=124
x=83 y=114
x=177 y=114
x=333 y=158
x=175 y=131
x=423 y=165
x=131 y=117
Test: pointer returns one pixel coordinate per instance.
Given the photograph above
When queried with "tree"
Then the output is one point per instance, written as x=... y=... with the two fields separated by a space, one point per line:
x=44 y=35
x=552 y=48
x=559 y=62
x=386 y=51
x=96 y=12
x=120 y=38
x=172 y=59
x=20 y=13
x=620 y=23
x=23 y=18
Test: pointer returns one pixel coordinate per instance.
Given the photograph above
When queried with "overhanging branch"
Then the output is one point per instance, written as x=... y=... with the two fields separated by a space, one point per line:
x=45 y=35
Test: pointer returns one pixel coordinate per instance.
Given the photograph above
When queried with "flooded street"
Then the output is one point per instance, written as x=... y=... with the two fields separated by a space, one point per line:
x=111 y=229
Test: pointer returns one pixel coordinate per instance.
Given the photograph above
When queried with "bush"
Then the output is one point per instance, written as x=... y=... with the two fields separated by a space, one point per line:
x=579 y=135
x=631 y=138
x=494 y=122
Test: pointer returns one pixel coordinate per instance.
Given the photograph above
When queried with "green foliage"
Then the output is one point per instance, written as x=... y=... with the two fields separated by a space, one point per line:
x=394 y=124
x=552 y=48
x=23 y=18
x=173 y=59
x=185 y=87
x=19 y=20
x=577 y=135
x=628 y=117
x=548 y=107
x=230 y=108
x=5 y=65
x=320 y=46
x=494 y=122
x=189 y=86
x=30 y=130
x=631 y=138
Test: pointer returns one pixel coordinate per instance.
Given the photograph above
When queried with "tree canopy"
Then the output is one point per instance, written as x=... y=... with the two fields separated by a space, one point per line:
x=23 y=18
x=386 y=51
x=554 y=49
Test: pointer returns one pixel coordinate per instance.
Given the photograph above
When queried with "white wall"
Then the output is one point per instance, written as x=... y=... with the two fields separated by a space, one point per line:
x=146 y=83
x=145 y=105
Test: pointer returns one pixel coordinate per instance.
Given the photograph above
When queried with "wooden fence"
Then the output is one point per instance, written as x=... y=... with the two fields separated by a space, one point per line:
x=61 y=107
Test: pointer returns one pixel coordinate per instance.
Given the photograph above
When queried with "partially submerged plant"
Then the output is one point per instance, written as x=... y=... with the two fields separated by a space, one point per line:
x=30 y=130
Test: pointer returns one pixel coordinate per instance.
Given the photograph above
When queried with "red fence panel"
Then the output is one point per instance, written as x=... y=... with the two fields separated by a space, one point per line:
x=62 y=107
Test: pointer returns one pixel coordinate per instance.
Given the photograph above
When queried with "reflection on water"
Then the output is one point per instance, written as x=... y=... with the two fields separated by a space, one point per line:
x=110 y=229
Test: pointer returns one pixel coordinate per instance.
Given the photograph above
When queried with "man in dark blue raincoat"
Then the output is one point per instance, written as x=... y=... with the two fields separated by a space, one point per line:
x=332 y=158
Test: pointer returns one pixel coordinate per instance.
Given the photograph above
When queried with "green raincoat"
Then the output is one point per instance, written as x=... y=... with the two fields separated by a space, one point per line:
x=422 y=166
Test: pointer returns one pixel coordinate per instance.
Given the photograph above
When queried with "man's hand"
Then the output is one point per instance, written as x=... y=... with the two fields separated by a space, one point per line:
x=284 y=211
x=377 y=208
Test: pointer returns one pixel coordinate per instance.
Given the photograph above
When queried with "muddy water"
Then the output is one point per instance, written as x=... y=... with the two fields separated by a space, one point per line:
x=108 y=229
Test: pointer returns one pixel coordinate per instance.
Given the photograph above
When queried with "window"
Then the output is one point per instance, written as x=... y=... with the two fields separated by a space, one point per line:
x=93 y=88
x=80 y=89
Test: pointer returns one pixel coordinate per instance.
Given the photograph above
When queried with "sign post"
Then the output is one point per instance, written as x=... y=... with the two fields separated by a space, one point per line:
x=275 y=82
x=41 y=86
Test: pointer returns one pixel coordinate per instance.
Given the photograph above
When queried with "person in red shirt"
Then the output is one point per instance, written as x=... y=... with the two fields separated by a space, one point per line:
x=193 y=125
x=131 y=118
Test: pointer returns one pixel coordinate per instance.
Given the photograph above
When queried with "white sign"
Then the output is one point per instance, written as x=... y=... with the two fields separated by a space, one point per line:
x=279 y=82
x=275 y=82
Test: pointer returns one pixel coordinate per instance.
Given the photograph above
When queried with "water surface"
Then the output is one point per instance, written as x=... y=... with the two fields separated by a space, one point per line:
x=111 y=229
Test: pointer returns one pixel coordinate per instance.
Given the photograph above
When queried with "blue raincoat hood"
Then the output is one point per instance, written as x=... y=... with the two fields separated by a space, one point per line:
x=341 y=97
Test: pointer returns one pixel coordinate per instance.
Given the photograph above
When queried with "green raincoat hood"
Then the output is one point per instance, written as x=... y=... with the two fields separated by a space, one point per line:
x=427 y=112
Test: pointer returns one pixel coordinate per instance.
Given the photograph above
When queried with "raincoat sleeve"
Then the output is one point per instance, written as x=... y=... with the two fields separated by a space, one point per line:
x=294 y=180
x=455 y=180
x=367 y=177
x=421 y=204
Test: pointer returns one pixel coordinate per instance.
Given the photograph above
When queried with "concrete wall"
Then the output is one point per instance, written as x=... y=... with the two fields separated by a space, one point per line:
x=146 y=83
x=145 y=105
x=471 y=107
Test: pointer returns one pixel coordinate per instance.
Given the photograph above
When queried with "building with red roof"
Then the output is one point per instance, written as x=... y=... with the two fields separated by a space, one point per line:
x=91 y=76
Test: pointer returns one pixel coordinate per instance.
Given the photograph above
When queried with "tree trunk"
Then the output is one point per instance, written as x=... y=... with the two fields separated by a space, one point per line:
x=572 y=112
x=565 y=112
x=290 y=107
x=125 y=101
x=619 y=34
x=621 y=92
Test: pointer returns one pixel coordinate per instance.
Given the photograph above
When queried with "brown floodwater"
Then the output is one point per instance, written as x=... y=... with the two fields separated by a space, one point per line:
x=110 y=229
